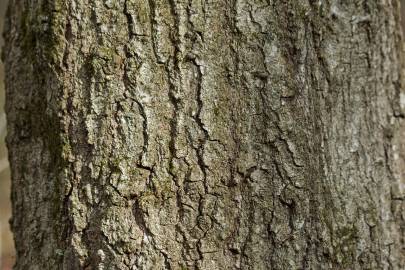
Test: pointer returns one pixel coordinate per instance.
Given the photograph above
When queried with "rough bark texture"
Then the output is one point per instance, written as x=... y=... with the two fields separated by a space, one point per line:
x=201 y=134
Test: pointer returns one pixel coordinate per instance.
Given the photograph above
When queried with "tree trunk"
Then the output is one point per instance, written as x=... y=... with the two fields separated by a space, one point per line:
x=232 y=134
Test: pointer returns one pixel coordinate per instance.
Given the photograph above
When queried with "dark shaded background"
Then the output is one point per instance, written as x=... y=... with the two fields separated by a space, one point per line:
x=6 y=243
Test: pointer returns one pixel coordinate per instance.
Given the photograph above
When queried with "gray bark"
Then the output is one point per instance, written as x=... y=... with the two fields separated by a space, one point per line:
x=233 y=134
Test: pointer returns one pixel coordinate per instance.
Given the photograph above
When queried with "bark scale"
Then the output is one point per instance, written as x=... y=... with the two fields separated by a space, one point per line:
x=235 y=134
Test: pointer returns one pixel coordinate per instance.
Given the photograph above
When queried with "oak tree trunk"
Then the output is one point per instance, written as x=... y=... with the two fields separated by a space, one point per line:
x=201 y=134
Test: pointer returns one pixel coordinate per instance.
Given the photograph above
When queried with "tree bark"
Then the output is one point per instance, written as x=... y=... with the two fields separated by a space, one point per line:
x=233 y=134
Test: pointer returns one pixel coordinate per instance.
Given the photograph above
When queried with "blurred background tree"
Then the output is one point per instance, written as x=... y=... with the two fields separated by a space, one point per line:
x=6 y=243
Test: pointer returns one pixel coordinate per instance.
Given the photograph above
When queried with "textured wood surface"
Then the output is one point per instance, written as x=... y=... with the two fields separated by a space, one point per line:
x=169 y=134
